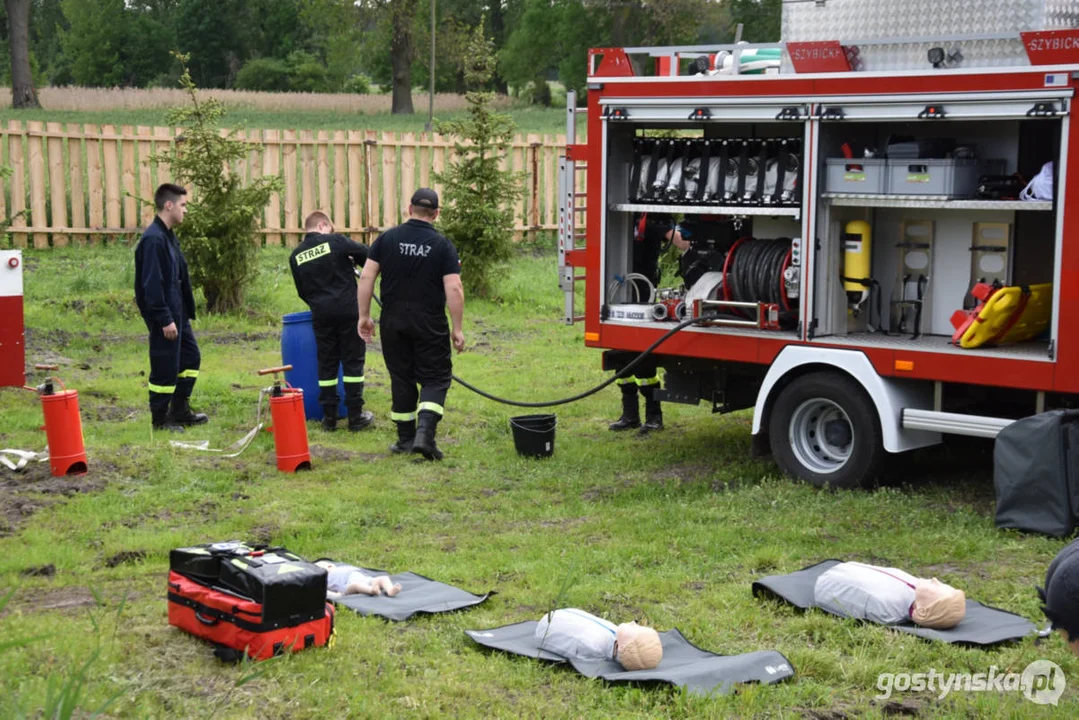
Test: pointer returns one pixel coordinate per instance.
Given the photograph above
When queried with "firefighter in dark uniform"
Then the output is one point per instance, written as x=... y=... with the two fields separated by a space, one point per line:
x=651 y=233
x=421 y=277
x=323 y=268
x=167 y=304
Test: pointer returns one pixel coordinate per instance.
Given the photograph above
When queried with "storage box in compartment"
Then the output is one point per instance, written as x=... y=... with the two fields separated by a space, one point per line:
x=951 y=177
x=856 y=175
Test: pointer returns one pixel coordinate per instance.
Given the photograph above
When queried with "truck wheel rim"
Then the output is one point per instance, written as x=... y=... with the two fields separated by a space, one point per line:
x=812 y=447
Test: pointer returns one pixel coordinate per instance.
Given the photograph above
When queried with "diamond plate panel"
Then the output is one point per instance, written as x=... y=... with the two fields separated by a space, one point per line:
x=877 y=19
x=1061 y=14
x=881 y=20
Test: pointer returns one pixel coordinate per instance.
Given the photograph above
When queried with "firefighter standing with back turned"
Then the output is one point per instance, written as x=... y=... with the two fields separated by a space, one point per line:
x=323 y=268
x=421 y=276
x=167 y=304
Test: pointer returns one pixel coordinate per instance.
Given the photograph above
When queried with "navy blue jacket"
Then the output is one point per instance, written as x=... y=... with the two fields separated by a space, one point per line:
x=162 y=285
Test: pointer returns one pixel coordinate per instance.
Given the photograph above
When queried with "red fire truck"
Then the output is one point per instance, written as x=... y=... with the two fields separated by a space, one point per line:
x=884 y=241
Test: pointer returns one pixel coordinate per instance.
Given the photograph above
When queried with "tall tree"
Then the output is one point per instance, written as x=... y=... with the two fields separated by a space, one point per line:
x=402 y=15
x=23 y=94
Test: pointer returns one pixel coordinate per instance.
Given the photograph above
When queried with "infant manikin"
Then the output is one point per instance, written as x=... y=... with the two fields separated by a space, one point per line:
x=889 y=596
x=570 y=632
x=350 y=580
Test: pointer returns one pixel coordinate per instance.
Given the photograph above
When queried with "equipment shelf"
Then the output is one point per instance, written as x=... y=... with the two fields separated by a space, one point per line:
x=931 y=201
x=769 y=210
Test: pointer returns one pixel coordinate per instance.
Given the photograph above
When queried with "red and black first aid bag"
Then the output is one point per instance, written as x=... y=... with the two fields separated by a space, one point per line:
x=261 y=602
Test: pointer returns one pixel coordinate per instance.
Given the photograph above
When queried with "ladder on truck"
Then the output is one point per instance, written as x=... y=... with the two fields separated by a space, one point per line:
x=568 y=211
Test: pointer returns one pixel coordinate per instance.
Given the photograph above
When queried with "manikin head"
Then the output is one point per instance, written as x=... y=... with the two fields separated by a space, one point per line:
x=637 y=647
x=325 y=564
x=170 y=201
x=937 y=605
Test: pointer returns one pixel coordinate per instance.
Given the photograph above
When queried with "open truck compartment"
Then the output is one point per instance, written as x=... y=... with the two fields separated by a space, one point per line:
x=903 y=210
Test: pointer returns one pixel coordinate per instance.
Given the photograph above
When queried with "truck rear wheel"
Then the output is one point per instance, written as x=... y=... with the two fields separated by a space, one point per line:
x=824 y=429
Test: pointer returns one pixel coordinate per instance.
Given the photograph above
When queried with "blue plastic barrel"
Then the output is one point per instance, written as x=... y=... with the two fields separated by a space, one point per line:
x=298 y=349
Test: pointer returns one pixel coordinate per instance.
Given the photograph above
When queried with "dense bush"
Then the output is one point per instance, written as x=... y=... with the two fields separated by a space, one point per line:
x=358 y=84
x=267 y=74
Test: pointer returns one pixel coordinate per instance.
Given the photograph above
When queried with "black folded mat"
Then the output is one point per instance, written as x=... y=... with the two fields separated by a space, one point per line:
x=982 y=625
x=684 y=664
x=418 y=594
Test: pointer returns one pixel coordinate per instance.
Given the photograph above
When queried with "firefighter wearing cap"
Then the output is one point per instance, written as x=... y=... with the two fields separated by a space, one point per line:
x=650 y=232
x=421 y=277
x=323 y=268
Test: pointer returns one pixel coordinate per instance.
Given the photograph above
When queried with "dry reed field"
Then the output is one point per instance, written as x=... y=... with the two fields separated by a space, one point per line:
x=82 y=99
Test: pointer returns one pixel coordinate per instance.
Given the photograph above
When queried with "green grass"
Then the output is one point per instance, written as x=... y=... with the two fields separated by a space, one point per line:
x=528 y=120
x=670 y=530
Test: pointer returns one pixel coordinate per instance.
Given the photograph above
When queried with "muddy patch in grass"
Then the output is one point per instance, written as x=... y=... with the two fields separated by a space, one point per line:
x=39 y=571
x=264 y=533
x=685 y=473
x=125 y=557
x=332 y=454
x=111 y=413
x=37 y=600
x=20 y=491
x=237 y=338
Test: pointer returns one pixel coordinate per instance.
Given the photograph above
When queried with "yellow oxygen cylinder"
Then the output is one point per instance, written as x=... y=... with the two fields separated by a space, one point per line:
x=857 y=245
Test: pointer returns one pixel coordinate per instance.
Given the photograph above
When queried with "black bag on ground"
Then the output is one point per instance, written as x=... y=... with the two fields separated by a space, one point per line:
x=1036 y=473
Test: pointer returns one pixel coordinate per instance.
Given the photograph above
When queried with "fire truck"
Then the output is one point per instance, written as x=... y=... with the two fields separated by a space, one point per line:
x=884 y=245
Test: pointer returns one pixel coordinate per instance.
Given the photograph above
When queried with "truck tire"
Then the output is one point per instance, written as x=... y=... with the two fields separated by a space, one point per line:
x=824 y=429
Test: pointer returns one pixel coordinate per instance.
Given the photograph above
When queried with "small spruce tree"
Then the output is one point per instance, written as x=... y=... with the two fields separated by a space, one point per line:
x=219 y=236
x=478 y=195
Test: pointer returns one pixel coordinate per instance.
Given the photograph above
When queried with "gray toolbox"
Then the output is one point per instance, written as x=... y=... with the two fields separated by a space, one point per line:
x=946 y=177
x=856 y=175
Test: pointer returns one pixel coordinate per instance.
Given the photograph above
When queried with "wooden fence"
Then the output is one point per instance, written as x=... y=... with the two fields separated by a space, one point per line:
x=90 y=184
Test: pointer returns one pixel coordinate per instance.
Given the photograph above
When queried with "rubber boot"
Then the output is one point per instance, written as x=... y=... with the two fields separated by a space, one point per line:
x=406 y=433
x=653 y=412
x=631 y=414
x=424 y=443
x=358 y=418
x=162 y=420
x=329 y=417
x=180 y=413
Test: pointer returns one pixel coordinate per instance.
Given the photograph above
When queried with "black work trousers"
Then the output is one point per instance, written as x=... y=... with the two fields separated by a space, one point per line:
x=416 y=348
x=174 y=365
x=338 y=344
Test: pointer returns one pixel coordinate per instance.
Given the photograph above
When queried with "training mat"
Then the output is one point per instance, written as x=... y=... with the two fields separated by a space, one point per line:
x=684 y=664
x=419 y=595
x=982 y=625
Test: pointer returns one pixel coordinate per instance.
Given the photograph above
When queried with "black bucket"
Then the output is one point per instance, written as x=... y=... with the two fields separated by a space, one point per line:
x=533 y=435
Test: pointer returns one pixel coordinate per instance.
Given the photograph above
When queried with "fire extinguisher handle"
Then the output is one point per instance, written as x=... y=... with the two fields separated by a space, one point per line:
x=274 y=370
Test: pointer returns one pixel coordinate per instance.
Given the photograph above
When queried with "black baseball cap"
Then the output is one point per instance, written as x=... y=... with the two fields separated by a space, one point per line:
x=425 y=197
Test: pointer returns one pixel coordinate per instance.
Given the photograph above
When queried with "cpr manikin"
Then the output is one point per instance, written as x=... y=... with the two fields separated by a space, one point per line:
x=888 y=596
x=350 y=580
x=574 y=633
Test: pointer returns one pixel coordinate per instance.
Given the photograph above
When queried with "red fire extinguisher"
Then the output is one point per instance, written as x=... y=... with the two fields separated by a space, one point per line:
x=289 y=423
x=63 y=426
